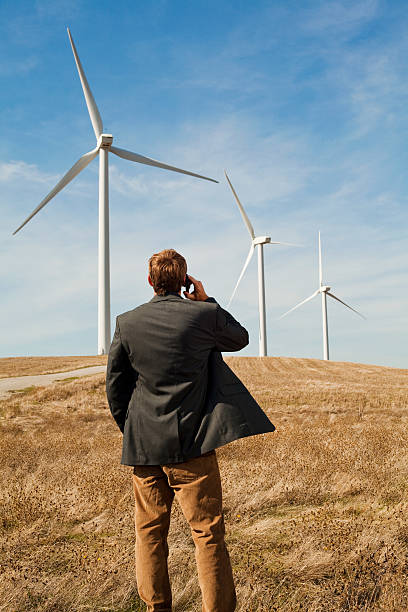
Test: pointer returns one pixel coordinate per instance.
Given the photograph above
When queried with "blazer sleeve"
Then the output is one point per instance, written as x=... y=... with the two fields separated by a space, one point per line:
x=229 y=334
x=120 y=379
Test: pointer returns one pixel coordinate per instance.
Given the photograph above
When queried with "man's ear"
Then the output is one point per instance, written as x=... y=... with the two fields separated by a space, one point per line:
x=149 y=280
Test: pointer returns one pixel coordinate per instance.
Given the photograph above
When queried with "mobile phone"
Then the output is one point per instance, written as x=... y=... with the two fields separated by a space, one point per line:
x=188 y=283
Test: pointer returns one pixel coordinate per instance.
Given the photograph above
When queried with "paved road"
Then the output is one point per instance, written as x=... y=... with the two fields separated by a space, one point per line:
x=22 y=382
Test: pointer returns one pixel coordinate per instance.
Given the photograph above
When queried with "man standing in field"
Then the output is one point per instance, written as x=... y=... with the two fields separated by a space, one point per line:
x=176 y=401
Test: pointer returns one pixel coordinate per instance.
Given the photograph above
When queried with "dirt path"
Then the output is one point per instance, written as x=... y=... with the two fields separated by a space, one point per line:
x=17 y=383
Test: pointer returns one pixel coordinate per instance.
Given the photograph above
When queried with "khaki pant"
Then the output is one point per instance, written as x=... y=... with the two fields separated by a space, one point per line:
x=197 y=486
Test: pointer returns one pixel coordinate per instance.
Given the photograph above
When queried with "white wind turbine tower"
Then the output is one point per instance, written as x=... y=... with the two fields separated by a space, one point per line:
x=256 y=241
x=324 y=290
x=103 y=146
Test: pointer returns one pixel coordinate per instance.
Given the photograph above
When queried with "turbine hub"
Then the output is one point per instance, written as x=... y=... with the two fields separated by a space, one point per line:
x=324 y=289
x=105 y=141
x=261 y=240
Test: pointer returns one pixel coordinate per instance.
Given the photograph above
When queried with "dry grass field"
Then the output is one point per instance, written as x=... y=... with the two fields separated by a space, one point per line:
x=27 y=366
x=316 y=513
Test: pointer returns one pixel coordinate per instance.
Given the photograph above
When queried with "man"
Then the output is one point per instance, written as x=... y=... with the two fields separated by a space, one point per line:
x=176 y=401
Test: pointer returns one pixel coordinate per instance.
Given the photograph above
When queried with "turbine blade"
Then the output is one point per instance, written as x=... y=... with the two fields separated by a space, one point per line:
x=248 y=259
x=67 y=178
x=300 y=304
x=242 y=210
x=285 y=243
x=141 y=159
x=89 y=99
x=320 y=263
x=344 y=304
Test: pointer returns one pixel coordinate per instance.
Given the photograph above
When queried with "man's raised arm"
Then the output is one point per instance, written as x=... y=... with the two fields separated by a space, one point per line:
x=229 y=334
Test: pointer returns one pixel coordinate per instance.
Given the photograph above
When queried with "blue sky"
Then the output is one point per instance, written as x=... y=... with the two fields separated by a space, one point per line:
x=305 y=105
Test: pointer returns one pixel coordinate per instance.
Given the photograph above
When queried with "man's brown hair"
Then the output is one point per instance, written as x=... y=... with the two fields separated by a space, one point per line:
x=167 y=271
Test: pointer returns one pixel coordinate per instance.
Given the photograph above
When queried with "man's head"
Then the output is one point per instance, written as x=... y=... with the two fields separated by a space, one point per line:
x=167 y=271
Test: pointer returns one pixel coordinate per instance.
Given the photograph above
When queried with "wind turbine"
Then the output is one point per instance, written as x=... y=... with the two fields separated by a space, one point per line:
x=324 y=291
x=103 y=147
x=256 y=241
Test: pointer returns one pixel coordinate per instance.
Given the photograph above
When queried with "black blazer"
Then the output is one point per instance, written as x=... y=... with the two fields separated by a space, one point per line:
x=168 y=388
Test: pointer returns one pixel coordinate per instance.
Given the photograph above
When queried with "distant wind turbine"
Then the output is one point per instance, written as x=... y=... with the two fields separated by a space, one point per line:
x=103 y=146
x=324 y=290
x=256 y=241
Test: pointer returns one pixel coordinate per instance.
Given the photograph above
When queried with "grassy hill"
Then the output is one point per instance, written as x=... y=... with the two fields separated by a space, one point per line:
x=315 y=512
x=26 y=366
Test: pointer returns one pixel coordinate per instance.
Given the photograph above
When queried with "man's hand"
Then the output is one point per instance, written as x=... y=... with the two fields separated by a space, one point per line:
x=198 y=295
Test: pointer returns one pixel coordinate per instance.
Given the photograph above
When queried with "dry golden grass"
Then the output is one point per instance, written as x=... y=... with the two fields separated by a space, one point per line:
x=25 y=366
x=315 y=512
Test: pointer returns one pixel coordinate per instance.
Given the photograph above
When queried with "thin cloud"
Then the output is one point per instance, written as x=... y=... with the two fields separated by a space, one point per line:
x=21 y=171
x=346 y=16
x=11 y=67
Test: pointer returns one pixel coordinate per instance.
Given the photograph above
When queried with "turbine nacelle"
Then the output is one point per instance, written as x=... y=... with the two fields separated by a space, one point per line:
x=261 y=240
x=324 y=289
x=105 y=141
